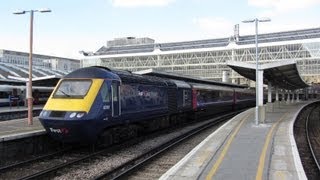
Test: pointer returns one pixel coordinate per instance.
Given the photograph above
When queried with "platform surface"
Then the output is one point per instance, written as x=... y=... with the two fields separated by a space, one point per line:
x=240 y=149
x=19 y=128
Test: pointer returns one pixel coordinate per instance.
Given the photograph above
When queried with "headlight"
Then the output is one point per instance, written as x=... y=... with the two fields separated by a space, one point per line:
x=44 y=113
x=80 y=115
x=72 y=115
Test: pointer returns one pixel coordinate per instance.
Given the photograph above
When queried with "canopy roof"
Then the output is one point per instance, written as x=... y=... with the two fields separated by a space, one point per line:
x=283 y=74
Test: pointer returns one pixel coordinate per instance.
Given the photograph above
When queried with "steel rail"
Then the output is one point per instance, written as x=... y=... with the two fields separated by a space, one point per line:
x=309 y=139
x=19 y=164
x=132 y=165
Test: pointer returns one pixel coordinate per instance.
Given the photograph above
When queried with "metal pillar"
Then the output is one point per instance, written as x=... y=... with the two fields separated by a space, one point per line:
x=260 y=110
x=30 y=98
x=288 y=96
x=277 y=93
x=292 y=98
x=270 y=104
x=306 y=94
x=269 y=92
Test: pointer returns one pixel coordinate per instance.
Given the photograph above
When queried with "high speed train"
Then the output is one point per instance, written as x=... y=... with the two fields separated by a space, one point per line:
x=14 y=95
x=96 y=104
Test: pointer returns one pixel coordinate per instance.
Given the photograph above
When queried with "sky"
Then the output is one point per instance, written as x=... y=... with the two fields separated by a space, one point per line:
x=75 y=25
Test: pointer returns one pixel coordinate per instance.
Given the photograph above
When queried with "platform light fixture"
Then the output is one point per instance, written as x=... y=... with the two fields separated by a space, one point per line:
x=29 y=95
x=256 y=21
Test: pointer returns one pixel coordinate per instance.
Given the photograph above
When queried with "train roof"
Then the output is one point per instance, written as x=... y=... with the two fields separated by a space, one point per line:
x=210 y=87
x=92 y=72
x=128 y=77
x=121 y=75
x=181 y=84
x=169 y=75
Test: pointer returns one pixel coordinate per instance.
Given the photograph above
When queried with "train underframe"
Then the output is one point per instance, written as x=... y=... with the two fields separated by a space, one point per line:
x=120 y=133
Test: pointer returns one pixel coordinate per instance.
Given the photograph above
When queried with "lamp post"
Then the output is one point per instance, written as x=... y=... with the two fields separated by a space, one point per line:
x=256 y=21
x=29 y=94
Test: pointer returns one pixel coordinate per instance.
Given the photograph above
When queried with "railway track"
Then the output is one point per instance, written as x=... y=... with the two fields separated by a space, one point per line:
x=138 y=168
x=28 y=168
x=307 y=135
x=48 y=166
x=116 y=161
x=313 y=134
x=19 y=164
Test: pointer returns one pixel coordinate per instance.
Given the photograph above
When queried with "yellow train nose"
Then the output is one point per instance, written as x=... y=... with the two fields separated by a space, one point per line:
x=74 y=104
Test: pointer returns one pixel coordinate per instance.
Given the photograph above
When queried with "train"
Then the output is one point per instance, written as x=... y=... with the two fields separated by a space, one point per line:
x=98 y=104
x=13 y=95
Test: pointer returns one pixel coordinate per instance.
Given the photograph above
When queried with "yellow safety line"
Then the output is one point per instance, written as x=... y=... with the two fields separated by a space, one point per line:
x=264 y=150
x=225 y=150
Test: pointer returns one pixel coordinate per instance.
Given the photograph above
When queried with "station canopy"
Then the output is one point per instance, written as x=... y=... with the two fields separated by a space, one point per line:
x=283 y=74
x=17 y=74
x=46 y=81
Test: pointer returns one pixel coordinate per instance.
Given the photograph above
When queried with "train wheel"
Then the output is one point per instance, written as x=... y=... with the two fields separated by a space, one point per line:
x=133 y=132
x=105 y=139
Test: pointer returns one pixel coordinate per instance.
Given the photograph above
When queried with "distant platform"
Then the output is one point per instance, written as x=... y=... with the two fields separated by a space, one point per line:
x=18 y=112
x=7 y=109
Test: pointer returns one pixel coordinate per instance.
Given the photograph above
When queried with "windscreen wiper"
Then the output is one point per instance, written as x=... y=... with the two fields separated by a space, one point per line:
x=64 y=93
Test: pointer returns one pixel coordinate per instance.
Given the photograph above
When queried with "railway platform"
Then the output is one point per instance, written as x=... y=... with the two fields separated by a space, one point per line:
x=240 y=149
x=19 y=128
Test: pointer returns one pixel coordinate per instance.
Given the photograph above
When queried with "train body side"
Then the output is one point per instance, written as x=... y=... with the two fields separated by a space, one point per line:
x=142 y=101
x=213 y=99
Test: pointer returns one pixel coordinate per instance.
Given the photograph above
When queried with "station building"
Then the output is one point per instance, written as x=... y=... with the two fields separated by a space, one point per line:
x=207 y=58
x=16 y=64
x=14 y=73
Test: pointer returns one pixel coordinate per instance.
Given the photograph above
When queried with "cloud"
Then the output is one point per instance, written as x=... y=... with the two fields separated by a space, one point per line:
x=284 y=5
x=140 y=3
x=214 y=26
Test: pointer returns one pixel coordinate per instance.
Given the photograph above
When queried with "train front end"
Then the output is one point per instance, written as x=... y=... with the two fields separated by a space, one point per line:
x=75 y=113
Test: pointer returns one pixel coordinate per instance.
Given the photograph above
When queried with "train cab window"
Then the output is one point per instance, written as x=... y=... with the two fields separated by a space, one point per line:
x=72 y=89
x=105 y=95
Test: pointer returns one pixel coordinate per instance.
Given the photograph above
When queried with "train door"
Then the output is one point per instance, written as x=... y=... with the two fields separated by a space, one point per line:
x=115 y=98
